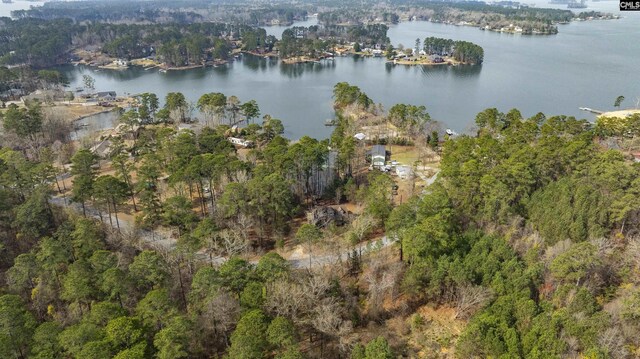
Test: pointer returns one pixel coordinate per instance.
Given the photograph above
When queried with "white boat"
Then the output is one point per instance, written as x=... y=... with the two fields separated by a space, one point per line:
x=162 y=71
x=450 y=132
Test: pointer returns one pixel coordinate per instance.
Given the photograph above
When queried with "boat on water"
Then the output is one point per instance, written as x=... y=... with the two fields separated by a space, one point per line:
x=164 y=71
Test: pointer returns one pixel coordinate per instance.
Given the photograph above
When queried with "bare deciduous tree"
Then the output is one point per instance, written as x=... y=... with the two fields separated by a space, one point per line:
x=382 y=282
x=326 y=318
x=613 y=342
x=232 y=243
x=245 y=223
x=555 y=250
x=470 y=299
x=286 y=299
x=362 y=225
x=633 y=253
x=218 y=315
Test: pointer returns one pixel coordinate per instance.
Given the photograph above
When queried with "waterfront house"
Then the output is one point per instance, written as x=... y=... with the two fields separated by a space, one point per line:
x=436 y=59
x=106 y=96
x=121 y=62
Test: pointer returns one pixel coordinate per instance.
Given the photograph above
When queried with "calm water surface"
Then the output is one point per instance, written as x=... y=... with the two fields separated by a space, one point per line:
x=6 y=9
x=586 y=64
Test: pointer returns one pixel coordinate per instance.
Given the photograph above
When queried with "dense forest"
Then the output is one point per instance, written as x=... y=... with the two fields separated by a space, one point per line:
x=534 y=226
x=173 y=43
x=36 y=42
x=529 y=235
x=162 y=11
x=42 y=43
x=480 y=14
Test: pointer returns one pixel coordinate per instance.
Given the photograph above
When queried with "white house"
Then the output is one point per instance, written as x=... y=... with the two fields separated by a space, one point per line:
x=241 y=142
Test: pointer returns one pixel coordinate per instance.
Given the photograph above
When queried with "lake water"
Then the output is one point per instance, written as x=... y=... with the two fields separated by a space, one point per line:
x=90 y=124
x=587 y=64
x=6 y=9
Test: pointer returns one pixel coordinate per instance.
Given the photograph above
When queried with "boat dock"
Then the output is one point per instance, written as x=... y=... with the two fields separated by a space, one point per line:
x=597 y=112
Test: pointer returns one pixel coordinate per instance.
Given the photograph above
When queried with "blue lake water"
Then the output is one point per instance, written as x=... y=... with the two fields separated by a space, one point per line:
x=587 y=64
